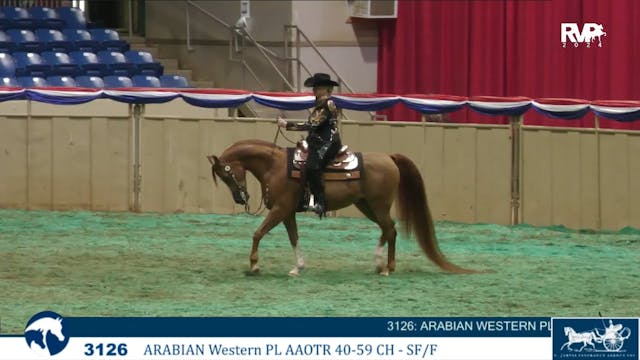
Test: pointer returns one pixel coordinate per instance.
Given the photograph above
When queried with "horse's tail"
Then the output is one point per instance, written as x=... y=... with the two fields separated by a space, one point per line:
x=415 y=215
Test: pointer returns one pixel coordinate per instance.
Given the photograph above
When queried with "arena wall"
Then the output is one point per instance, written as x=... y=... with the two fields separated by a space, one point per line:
x=83 y=157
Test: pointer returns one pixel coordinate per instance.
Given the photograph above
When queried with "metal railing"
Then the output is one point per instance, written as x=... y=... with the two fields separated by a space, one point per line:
x=299 y=34
x=240 y=36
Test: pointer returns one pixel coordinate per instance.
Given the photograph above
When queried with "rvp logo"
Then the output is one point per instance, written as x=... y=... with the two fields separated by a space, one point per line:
x=589 y=32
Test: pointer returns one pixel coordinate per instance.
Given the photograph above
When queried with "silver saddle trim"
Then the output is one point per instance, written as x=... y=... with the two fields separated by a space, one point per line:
x=351 y=161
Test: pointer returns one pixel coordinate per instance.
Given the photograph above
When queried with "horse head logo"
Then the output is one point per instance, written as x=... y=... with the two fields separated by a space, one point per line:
x=44 y=333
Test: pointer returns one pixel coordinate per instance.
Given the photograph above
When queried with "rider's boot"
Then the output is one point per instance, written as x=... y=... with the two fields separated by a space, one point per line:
x=317 y=189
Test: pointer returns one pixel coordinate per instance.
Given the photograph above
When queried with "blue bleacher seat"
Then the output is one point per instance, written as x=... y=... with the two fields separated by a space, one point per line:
x=25 y=40
x=89 y=63
x=116 y=62
x=144 y=63
x=46 y=18
x=109 y=40
x=19 y=18
x=114 y=81
x=174 y=81
x=53 y=40
x=30 y=64
x=6 y=44
x=73 y=17
x=7 y=66
x=145 y=81
x=4 y=22
x=81 y=40
x=60 y=63
x=90 y=82
x=9 y=81
x=65 y=81
x=32 y=81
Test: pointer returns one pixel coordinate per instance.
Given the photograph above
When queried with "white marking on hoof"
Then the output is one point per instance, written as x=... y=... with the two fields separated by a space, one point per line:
x=384 y=272
x=299 y=262
x=255 y=269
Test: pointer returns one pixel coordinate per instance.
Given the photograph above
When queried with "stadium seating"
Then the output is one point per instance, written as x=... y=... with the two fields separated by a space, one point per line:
x=53 y=40
x=18 y=18
x=145 y=81
x=25 y=40
x=32 y=81
x=9 y=81
x=30 y=64
x=113 y=81
x=116 y=62
x=7 y=66
x=109 y=40
x=81 y=40
x=89 y=63
x=90 y=82
x=174 y=81
x=42 y=46
x=144 y=63
x=73 y=17
x=65 y=81
x=6 y=44
x=60 y=63
x=46 y=18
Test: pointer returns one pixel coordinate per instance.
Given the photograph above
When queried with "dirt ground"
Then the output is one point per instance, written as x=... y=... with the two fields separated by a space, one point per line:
x=124 y=264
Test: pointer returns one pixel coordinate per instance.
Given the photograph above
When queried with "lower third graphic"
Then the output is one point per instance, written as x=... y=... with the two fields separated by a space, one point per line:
x=595 y=339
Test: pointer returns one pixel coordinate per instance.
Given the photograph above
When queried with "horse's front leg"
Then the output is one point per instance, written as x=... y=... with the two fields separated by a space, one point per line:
x=274 y=217
x=292 y=230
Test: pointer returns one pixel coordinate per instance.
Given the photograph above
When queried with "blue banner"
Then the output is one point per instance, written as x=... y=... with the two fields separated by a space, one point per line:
x=307 y=327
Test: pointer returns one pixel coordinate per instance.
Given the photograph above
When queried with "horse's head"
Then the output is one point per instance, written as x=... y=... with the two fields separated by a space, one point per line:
x=233 y=174
x=56 y=328
x=567 y=330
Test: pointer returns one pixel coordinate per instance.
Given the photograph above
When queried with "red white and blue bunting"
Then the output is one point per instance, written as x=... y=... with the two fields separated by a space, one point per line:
x=567 y=109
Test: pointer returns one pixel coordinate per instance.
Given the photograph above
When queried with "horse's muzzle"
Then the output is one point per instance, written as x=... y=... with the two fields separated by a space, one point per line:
x=241 y=197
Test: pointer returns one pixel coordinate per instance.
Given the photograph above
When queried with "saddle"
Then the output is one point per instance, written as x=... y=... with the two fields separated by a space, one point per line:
x=347 y=165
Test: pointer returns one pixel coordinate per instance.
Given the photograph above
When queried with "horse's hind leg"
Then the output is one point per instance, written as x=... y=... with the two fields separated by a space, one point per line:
x=292 y=229
x=387 y=226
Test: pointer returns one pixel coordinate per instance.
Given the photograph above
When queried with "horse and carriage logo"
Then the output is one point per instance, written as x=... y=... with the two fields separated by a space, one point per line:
x=594 y=339
x=45 y=334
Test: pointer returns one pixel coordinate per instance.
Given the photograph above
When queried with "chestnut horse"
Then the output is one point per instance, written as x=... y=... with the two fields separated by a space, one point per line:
x=383 y=177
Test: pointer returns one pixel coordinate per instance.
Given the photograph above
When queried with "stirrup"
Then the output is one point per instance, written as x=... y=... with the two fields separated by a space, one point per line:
x=316 y=208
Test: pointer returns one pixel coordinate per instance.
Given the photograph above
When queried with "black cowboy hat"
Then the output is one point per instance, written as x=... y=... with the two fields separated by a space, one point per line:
x=320 y=79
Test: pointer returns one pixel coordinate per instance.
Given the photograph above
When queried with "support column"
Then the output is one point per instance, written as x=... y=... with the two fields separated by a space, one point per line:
x=516 y=127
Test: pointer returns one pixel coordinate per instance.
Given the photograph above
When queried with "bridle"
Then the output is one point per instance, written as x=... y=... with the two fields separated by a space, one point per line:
x=244 y=193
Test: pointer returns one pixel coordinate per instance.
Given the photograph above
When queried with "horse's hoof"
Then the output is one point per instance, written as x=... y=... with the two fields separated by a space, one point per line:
x=296 y=270
x=254 y=271
x=384 y=272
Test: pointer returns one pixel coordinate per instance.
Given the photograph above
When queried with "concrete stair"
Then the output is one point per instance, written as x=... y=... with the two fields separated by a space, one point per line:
x=171 y=65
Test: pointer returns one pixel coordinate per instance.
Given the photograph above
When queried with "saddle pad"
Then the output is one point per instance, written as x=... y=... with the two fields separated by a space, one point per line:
x=331 y=173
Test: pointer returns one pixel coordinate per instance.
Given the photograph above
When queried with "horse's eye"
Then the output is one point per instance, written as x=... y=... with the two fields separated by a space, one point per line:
x=227 y=168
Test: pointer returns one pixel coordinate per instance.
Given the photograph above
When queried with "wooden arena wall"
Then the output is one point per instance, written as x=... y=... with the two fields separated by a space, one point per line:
x=84 y=157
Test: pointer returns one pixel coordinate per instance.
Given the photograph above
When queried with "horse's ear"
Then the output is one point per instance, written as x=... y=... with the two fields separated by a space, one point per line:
x=213 y=159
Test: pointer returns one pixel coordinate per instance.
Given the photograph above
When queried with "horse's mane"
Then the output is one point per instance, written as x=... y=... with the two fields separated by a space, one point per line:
x=241 y=147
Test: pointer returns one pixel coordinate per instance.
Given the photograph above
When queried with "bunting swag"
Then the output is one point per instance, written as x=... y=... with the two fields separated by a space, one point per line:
x=365 y=102
x=285 y=101
x=68 y=96
x=566 y=109
x=434 y=104
x=216 y=98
